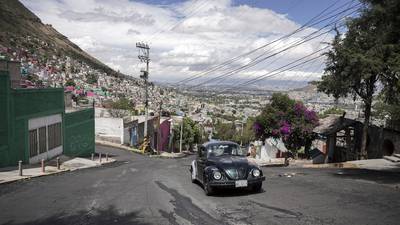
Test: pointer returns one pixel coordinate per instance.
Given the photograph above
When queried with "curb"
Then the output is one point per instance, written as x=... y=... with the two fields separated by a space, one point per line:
x=63 y=170
x=123 y=147
x=272 y=165
x=114 y=145
x=34 y=176
x=175 y=156
x=332 y=165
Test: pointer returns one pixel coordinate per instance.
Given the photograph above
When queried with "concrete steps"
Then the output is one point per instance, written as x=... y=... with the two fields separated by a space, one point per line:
x=396 y=155
x=394 y=159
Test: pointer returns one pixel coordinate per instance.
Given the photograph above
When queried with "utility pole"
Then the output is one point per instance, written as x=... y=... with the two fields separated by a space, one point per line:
x=180 y=141
x=241 y=135
x=159 y=129
x=144 y=53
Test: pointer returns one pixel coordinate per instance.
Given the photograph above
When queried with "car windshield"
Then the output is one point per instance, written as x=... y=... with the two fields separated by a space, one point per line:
x=225 y=149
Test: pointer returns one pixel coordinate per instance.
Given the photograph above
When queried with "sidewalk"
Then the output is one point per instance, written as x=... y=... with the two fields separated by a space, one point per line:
x=371 y=164
x=11 y=174
x=268 y=162
x=376 y=164
x=115 y=145
x=167 y=155
x=173 y=155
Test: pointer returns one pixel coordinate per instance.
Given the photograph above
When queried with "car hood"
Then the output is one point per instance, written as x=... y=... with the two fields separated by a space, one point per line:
x=235 y=167
x=228 y=161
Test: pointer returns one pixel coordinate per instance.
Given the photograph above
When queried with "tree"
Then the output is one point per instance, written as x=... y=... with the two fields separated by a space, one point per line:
x=248 y=133
x=333 y=110
x=224 y=131
x=228 y=132
x=121 y=108
x=383 y=110
x=287 y=119
x=191 y=133
x=368 y=55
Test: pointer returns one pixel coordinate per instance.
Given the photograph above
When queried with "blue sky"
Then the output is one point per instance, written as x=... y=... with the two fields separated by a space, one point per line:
x=298 y=10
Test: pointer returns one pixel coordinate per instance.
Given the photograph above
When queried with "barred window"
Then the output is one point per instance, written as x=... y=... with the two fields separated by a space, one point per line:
x=42 y=140
x=55 y=135
x=33 y=143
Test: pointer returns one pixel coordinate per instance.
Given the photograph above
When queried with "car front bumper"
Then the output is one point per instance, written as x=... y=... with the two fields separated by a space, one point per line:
x=231 y=183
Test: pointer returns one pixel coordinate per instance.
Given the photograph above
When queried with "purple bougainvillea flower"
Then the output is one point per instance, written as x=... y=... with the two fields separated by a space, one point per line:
x=299 y=108
x=275 y=132
x=257 y=127
x=285 y=128
x=310 y=115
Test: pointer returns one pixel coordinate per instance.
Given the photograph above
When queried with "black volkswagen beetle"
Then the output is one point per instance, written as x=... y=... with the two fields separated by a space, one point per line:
x=222 y=164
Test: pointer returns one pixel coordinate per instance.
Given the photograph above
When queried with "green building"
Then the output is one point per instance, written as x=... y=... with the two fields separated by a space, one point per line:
x=35 y=126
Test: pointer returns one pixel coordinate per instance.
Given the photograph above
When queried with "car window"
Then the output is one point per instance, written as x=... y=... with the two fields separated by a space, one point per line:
x=216 y=150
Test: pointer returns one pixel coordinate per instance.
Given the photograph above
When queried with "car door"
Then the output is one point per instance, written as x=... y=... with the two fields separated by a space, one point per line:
x=201 y=162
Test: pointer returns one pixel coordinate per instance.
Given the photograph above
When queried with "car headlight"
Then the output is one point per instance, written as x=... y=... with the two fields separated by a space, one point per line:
x=256 y=173
x=217 y=175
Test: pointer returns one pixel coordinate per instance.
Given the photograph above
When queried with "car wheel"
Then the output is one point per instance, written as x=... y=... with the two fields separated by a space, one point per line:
x=192 y=175
x=208 y=190
x=257 y=187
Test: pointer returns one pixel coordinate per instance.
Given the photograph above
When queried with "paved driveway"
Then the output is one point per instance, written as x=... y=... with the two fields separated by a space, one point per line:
x=142 y=190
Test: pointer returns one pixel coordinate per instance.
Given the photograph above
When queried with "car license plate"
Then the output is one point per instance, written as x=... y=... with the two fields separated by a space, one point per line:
x=241 y=183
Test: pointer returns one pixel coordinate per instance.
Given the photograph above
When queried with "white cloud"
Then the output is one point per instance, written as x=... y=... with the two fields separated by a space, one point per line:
x=184 y=38
x=87 y=43
x=113 y=66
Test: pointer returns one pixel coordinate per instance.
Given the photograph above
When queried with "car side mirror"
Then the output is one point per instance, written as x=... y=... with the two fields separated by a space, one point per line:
x=203 y=153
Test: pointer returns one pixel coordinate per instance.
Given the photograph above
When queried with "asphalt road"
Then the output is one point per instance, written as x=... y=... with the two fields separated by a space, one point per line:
x=142 y=190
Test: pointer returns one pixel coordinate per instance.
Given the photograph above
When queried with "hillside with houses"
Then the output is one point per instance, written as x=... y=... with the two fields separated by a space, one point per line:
x=49 y=59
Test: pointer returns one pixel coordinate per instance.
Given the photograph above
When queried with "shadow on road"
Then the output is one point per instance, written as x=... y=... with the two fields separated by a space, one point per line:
x=109 y=215
x=235 y=192
x=382 y=177
x=231 y=192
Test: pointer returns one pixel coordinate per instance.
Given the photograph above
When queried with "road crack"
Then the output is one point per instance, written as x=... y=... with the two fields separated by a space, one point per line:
x=184 y=208
x=284 y=213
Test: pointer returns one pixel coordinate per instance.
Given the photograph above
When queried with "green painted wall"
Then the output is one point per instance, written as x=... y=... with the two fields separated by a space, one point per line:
x=31 y=103
x=17 y=106
x=79 y=137
x=4 y=117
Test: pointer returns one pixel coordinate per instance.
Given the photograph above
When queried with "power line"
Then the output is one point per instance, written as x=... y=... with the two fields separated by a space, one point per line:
x=270 y=74
x=332 y=21
x=312 y=64
x=255 y=61
x=264 y=77
x=258 y=60
x=309 y=23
